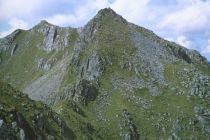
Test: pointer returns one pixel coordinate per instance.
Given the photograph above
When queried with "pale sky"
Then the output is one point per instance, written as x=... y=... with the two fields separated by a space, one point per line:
x=186 y=22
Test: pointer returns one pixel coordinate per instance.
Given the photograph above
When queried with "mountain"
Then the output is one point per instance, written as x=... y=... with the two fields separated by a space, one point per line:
x=111 y=79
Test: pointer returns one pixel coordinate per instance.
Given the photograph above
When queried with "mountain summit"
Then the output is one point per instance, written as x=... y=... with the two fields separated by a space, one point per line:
x=109 y=12
x=110 y=79
x=106 y=11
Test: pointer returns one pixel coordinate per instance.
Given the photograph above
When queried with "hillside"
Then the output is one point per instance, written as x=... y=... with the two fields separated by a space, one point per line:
x=110 y=79
x=22 y=118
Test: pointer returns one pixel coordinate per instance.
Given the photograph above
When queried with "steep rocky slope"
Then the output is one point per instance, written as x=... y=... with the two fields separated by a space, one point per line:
x=113 y=78
x=22 y=118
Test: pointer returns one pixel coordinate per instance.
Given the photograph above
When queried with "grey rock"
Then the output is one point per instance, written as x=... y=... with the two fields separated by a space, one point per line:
x=14 y=124
x=91 y=68
x=149 y=58
x=22 y=134
x=85 y=91
x=48 y=84
x=14 y=49
x=128 y=128
x=7 y=42
x=55 y=38
x=201 y=86
x=203 y=116
x=1 y=122
x=44 y=64
x=50 y=36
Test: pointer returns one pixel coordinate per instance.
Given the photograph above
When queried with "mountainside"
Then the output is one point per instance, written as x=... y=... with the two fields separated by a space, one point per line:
x=110 y=79
x=22 y=118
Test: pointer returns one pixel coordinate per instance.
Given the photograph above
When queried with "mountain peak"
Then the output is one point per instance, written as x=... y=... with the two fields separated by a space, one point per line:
x=107 y=11
x=110 y=13
x=44 y=22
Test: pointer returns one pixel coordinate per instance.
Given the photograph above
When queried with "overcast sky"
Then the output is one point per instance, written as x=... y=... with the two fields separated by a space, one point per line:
x=186 y=22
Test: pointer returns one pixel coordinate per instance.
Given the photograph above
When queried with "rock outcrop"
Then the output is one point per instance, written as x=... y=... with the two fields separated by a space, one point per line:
x=55 y=38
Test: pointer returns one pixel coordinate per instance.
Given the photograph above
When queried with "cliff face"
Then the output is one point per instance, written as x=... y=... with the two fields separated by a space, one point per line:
x=127 y=82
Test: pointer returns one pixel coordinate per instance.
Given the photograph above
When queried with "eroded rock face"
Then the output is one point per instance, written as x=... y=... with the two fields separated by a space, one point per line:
x=44 y=64
x=91 y=68
x=8 y=41
x=14 y=49
x=48 y=84
x=85 y=92
x=50 y=36
x=55 y=38
x=151 y=56
x=201 y=86
x=203 y=116
x=128 y=128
